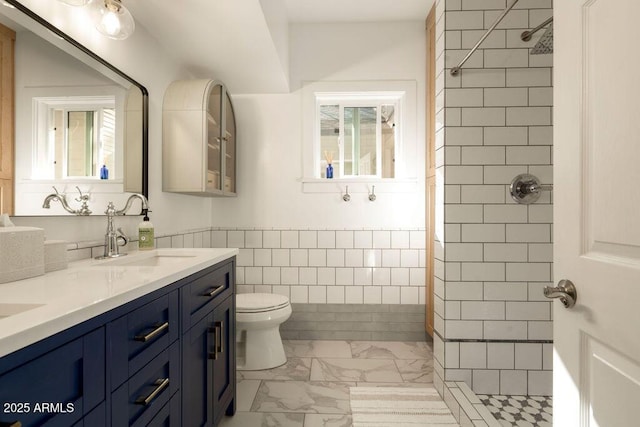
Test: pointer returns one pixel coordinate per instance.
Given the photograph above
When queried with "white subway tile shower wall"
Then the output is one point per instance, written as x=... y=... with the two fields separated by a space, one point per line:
x=496 y=255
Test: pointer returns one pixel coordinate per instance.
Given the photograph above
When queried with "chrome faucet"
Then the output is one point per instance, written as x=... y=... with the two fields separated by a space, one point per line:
x=127 y=206
x=113 y=239
x=84 y=199
x=62 y=198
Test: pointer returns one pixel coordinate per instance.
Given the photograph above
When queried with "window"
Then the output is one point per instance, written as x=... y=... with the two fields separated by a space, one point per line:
x=75 y=136
x=90 y=141
x=357 y=134
x=367 y=129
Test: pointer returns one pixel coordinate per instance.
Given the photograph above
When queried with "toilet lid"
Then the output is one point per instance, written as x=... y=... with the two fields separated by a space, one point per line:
x=251 y=303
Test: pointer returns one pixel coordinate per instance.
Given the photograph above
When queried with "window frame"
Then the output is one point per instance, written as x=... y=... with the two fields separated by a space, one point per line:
x=358 y=100
x=44 y=149
x=406 y=160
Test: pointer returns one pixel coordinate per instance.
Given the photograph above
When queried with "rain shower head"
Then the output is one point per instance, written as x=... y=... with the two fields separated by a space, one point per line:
x=545 y=44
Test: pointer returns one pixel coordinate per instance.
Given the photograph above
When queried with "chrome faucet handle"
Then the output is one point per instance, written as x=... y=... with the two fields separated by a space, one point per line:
x=122 y=238
x=111 y=209
x=84 y=198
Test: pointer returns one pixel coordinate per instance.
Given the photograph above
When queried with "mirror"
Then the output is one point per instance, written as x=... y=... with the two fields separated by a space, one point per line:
x=80 y=123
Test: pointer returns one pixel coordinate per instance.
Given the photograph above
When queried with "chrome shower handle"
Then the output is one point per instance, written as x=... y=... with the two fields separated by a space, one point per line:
x=565 y=290
x=526 y=189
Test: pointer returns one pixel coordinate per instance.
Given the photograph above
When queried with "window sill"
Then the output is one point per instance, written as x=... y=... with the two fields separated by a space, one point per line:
x=359 y=185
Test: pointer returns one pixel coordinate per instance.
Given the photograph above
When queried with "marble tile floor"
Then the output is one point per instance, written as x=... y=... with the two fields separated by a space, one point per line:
x=312 y=388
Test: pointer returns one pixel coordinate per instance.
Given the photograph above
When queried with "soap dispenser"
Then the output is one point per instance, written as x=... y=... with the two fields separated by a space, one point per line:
x=145 y=234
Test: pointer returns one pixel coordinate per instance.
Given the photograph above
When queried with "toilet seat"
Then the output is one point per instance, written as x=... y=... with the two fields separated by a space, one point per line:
x=260 y=303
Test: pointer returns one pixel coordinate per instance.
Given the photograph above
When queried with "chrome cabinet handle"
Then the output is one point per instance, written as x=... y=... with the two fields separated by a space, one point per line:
x=219 y=341
x=213 y=330
x=213 y=292
x=158 y=329
x=565 y=290
x=161 y=384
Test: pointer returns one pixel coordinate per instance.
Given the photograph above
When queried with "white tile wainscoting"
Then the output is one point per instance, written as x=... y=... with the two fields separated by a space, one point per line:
x=330 y=266
x=312 y=266
x=197 y=238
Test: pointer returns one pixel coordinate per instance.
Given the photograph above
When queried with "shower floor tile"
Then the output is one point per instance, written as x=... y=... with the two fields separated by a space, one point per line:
x=521 y=411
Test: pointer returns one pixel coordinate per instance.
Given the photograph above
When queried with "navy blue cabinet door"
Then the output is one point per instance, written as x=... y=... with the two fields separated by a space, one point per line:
x=197 y=375
x=224 y=367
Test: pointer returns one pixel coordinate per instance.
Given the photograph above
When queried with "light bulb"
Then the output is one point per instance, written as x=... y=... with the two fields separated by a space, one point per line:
x=112 y=19
x=110 y=23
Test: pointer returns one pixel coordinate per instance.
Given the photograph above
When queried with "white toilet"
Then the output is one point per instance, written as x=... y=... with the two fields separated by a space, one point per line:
x=258 y=319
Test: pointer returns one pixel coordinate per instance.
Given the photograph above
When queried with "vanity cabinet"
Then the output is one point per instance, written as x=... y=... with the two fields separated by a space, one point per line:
x=198 y=139
x=145 y=361
x=208 y=363
x=59 y=387
x=164 y=359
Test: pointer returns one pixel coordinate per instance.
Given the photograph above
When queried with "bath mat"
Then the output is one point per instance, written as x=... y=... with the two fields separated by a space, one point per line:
x=399 y=407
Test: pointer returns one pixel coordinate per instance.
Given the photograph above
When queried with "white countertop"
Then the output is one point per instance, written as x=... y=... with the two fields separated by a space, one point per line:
x=89 y=288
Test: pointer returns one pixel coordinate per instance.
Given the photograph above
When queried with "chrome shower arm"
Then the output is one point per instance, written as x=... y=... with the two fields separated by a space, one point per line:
x=455 y=70
x=526 y=35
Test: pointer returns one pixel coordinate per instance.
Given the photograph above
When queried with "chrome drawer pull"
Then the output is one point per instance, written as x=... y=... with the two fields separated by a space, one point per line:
x=152 y=334
x=215 y=291
x=161 y=384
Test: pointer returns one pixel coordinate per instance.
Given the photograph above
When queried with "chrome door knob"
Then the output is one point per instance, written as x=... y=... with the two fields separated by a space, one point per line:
x=565 y=290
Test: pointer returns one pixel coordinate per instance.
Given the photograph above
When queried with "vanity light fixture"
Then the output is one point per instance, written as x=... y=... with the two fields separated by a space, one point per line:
x=112 y=19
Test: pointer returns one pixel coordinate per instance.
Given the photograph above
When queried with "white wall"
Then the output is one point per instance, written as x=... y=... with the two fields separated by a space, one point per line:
x=141 y=57
x=270 y=132
x=325 y=263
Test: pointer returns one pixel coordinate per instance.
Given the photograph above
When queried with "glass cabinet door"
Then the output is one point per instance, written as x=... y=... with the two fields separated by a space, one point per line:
x=230 y=147
x=214 y=139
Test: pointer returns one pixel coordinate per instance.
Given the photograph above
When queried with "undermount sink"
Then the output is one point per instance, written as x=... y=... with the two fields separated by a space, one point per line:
x=7 y=309
x=154 y=259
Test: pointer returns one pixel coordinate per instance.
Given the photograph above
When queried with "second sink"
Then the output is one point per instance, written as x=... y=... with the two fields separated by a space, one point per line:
x=157 y=258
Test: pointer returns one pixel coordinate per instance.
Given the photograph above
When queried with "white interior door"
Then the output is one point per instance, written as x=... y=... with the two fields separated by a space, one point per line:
x=597 y=212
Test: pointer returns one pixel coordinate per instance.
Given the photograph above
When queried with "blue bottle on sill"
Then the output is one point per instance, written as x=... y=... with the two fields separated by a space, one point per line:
x=104 y=172
x=329 y=171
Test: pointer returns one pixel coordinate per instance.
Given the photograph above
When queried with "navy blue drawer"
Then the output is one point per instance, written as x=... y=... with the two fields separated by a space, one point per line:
x=141 y=335
x=169 y=415
x=59 y=387
x=137 y=401
x=203 y=293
